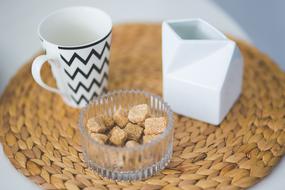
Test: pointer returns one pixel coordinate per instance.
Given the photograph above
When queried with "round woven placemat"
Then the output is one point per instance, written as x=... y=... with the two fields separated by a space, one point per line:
x=40 y=136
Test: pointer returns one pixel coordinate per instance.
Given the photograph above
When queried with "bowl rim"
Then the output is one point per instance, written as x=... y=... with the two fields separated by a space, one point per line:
x=140 y=147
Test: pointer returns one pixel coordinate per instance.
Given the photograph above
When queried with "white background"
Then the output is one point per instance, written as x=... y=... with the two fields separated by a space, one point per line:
x=19 y=41
x=263 y=21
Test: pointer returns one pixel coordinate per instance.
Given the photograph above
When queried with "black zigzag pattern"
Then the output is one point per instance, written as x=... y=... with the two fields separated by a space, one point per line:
x=94 y=67
x=85 y=61
x=94 y=81
x=82 y=97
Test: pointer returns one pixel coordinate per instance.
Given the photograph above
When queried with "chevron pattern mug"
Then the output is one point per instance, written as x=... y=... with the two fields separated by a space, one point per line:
x=77 y=43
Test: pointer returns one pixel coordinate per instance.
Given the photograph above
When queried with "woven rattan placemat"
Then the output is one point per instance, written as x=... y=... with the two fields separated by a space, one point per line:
x=40 y=136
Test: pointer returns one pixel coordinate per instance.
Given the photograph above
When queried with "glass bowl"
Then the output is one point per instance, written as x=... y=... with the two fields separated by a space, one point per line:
x=122 y=163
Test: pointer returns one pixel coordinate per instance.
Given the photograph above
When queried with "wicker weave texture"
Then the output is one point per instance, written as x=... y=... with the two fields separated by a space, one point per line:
x=40 y=136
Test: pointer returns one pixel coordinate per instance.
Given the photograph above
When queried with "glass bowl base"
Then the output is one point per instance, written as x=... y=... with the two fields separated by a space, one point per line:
x=131 y=175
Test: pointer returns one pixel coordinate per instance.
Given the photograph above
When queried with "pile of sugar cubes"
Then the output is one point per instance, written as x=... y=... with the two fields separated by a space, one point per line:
x=125 y=127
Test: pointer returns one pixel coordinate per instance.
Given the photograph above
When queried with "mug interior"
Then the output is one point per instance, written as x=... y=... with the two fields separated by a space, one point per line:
x=75 y=26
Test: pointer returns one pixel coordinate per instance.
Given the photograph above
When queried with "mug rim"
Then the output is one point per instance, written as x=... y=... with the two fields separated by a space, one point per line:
x=79 y=46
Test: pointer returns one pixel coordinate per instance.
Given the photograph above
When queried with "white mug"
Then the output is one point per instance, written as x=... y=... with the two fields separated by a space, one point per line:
x=77 y=44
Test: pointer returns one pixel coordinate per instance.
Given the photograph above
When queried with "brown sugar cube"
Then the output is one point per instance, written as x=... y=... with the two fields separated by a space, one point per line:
x=154 y=125
x=96 y=125
x=108 y=121
x=134 y=131
x=148 y=138
x=138 y=113
x=131 y=143
x=100 y=138
x=121 y=117
x=118 y=136
x=141 y=124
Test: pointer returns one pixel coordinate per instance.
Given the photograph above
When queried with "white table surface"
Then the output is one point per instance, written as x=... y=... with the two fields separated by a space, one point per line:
x=19 y=42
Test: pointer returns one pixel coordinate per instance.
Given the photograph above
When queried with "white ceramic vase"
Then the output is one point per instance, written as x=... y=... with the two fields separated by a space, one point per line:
x=202 y=70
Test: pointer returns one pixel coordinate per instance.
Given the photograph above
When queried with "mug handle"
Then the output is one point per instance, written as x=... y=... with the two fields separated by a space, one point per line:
x=36 y=73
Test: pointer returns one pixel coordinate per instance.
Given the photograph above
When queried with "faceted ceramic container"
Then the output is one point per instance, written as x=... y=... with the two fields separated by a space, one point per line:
x=202 y=70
